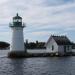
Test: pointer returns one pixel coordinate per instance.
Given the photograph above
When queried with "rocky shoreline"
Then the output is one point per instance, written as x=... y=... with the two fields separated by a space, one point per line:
x=26 y=55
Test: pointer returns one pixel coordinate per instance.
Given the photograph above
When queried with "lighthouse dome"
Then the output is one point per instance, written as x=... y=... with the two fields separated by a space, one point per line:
x=17 y=17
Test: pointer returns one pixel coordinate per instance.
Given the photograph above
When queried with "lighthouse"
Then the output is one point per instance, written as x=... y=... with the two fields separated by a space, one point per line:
x=17 y=47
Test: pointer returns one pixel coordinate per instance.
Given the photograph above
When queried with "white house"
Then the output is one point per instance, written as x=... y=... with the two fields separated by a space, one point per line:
x=59 y=45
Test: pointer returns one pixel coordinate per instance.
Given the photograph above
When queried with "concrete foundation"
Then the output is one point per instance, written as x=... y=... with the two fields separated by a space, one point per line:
x=16 y=54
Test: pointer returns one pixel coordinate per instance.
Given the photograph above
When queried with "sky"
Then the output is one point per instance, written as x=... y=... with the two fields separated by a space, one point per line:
x=42 y=18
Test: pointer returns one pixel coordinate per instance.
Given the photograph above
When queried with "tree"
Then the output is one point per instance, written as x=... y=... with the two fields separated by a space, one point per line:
x=4 y=45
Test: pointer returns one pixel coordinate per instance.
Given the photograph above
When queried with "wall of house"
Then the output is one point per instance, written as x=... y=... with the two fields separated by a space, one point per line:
x=50 y=44
x=61 y=49
x=73 y=50
x=70 y=49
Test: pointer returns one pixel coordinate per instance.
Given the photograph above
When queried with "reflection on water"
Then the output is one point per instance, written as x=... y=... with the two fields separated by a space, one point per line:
x=38 y=66
x=3 y=53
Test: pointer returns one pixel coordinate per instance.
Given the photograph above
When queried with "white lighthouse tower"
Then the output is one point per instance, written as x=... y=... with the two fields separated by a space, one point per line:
x=17 y=47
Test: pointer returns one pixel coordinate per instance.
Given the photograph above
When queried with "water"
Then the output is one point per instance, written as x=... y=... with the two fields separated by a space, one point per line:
x=37 y=66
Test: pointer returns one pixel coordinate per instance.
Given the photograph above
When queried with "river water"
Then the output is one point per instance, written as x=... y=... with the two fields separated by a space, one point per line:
x=37 y=66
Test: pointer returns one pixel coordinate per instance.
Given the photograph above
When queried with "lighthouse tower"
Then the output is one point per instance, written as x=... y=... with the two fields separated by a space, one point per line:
x=17 y=44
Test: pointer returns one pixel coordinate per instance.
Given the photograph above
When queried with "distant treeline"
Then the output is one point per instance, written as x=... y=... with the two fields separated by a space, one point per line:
x=35 y=45
x=28 y=45
x=4 y=45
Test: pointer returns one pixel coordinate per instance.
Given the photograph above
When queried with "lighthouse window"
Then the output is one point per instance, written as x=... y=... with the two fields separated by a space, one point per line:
x=17 y=20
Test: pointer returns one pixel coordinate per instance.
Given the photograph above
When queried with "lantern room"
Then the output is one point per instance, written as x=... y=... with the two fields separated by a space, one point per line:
x=17 y=21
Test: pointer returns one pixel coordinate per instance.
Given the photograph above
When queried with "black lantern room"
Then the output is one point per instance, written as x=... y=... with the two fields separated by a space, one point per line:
x=17 y=21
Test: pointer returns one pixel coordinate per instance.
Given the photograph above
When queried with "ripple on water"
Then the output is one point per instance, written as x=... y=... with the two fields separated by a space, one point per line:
x=38 y=66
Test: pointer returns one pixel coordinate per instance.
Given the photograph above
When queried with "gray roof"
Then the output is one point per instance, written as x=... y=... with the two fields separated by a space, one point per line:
x=17 y=17
x=62 y=40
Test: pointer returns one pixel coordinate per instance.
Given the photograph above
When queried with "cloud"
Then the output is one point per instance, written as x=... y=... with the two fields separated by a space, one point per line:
x=3 y=1
x=57 y=2
x=42 y=17
x=5 y=36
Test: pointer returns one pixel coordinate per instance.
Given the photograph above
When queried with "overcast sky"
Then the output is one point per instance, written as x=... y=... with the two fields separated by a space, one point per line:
x=42 y=18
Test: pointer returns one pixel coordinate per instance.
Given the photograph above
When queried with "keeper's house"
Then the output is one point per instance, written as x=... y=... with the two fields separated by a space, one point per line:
x=59 y=45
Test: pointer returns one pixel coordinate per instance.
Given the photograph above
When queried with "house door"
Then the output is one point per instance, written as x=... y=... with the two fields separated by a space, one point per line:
x=64 y=49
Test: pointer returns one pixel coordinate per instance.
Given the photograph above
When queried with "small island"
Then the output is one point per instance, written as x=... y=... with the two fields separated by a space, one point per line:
x=4 y=45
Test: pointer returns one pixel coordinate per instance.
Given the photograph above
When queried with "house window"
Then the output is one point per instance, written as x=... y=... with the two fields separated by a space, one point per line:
x=52 y=47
